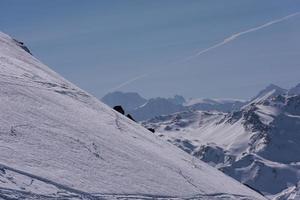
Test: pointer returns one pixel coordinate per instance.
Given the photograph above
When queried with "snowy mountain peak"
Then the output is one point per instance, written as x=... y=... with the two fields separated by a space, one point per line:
x=269 y=92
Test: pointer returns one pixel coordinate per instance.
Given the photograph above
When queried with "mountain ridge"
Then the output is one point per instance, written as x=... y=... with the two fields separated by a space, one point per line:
x=153 y=107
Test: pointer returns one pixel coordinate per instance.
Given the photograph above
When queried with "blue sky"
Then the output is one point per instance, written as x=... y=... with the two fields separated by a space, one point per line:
x=100 y=45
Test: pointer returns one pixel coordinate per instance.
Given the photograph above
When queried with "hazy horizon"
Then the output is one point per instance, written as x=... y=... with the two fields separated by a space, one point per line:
x=200 y=49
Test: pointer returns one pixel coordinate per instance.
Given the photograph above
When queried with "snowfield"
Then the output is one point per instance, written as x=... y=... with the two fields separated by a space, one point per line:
x=59 y=142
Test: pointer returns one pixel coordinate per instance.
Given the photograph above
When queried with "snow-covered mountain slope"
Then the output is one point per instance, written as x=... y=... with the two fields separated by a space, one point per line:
x=59 y=142
x=257 y=145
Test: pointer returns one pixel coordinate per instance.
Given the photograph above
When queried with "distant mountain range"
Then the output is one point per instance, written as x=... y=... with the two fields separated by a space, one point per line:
x=221 y=105
x=142 y=109
x=257 y=144
x=128 y=100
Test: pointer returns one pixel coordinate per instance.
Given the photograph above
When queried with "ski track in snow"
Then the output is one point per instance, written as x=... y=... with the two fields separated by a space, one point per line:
x=66 y=192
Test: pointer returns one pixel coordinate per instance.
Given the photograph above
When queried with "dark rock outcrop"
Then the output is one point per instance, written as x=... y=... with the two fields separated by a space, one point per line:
x=22 y=45
x=151 y=130
x=119 y=109
x=130 y=117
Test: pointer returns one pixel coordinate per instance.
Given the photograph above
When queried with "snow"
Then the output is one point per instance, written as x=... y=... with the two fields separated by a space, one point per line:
x=57 y=141
x=202 y=129
x=267 y=113
x=292 y=116
x=270 y=91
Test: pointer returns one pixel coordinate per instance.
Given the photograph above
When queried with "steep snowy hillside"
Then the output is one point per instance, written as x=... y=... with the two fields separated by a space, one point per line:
x=58 y=142
x=257 y=145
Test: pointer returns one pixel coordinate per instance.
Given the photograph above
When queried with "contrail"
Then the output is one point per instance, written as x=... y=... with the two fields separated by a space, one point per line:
x=224 y=42
x=237 y=35
x=128 y=82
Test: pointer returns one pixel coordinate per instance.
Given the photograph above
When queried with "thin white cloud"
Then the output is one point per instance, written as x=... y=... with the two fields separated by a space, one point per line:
x=224 y=42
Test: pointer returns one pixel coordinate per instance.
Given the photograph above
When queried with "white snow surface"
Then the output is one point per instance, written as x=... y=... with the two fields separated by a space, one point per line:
x=200 y=128
x=57 y=141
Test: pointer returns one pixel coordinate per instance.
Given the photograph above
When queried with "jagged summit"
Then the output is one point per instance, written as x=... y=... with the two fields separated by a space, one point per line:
x=270 y=91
